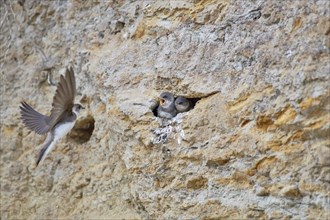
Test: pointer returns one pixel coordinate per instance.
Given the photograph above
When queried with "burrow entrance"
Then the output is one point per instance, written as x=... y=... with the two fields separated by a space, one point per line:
x=193 y=102
x=83 y=130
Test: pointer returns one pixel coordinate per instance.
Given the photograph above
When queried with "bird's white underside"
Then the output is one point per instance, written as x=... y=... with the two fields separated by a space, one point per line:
x=60 y=132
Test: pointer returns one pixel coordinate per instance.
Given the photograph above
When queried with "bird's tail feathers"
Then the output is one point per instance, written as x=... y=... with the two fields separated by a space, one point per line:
x=45 y=148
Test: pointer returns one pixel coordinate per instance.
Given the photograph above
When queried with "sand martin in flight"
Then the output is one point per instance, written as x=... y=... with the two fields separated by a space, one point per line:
x=62 y=117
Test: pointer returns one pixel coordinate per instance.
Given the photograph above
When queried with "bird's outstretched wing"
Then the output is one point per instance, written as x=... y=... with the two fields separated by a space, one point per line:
x=34 y=120
x=64 y=97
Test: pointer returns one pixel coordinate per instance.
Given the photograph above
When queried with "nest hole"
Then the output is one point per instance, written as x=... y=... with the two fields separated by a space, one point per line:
x=83 y=130
x=193 y=102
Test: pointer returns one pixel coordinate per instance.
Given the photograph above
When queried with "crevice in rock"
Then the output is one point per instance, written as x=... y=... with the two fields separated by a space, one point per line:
x=83 y=130
x=169 y=127
x=193 y=102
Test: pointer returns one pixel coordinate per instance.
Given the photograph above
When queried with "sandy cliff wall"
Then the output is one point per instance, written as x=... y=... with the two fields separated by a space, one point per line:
x=256 y=145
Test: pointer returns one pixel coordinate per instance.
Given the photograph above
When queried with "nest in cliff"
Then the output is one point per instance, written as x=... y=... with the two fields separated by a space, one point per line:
x=169 y=128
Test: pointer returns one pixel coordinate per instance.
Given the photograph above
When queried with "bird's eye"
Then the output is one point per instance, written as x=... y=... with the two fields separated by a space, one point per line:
x=165 y=96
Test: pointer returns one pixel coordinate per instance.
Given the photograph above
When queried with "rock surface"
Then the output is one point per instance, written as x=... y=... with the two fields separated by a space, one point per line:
x=256 y=145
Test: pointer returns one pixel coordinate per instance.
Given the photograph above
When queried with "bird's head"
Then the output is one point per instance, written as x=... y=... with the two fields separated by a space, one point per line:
x=76 y=108
x=166 y=99
x=182 y=104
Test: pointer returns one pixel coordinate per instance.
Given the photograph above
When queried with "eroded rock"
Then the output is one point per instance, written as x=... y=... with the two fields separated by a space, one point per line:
x=255 y=145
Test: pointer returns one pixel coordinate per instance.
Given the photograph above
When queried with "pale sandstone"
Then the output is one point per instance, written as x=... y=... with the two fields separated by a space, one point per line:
x=256 y=145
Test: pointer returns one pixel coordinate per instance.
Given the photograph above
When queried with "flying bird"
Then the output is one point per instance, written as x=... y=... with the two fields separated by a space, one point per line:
x=62 y=117
x=166 y=108
x=182 y=104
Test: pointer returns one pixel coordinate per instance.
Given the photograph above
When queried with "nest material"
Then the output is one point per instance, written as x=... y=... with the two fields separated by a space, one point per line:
x=167 y=129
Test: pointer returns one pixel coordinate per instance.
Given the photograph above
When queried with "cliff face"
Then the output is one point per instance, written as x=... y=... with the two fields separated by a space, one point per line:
x=256 y=144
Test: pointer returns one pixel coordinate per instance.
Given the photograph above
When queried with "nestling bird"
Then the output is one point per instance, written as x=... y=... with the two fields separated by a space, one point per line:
x=182 y=104
x=62 y=118
x=166 y=108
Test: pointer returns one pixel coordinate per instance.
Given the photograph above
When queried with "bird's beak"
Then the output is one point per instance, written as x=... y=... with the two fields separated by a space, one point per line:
x=161 y=101
x=82 y=107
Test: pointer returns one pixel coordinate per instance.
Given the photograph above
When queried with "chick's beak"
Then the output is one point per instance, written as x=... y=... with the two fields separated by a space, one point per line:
x=161 y=101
